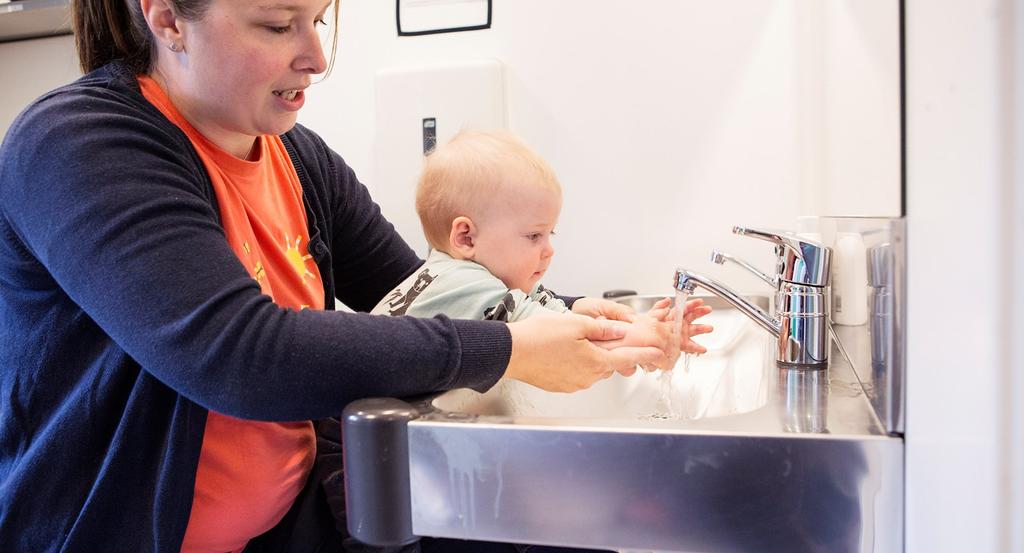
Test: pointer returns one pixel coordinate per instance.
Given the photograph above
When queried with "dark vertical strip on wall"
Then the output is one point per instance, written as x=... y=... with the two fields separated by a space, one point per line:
x=903 y=108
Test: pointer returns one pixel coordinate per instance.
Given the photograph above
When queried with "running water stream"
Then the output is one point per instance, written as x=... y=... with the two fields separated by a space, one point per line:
x=667 y=406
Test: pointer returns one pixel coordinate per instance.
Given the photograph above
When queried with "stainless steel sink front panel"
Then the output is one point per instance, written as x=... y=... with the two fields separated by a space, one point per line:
x=671 y=491
x=805 y=467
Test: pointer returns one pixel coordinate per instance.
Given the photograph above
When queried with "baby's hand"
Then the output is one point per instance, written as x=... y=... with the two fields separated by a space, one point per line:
x=694 y=310
x=661 y=310
x=656 y=328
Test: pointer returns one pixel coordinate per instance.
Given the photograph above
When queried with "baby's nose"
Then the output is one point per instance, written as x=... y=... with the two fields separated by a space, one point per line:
x=549 y=250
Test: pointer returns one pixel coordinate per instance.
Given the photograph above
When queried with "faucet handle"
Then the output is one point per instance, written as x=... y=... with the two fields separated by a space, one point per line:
x=782 y=238
x=803 y=261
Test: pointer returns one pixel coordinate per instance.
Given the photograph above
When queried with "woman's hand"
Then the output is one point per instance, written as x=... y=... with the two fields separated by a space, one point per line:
x=603 y=309
x=554 y=352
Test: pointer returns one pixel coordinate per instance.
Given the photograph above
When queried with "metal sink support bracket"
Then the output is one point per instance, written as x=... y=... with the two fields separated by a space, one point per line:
x=803 y=271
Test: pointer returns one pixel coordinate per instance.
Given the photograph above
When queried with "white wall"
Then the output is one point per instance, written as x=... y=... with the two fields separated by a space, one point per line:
x=965 y=468
x=29 y=68
x=667 y=121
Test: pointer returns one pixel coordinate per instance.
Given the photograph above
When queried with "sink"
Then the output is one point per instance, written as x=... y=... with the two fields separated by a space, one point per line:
x=755 y=458
x=731 y=378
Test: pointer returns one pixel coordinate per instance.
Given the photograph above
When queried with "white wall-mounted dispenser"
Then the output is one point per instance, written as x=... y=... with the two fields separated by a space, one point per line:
x=416 y=107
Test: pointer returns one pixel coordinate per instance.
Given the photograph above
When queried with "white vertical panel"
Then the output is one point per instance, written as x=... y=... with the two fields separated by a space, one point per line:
x=960 y=107
x=860 y=91
x=847 y=55
x=1013 y=510
x=815 y=190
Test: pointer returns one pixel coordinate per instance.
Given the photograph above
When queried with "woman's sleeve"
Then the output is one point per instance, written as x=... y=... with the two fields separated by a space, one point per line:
x=370 y=258
x=113 y=208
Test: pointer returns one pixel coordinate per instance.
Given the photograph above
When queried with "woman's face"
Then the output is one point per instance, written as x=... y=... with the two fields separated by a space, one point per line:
x=245 y=67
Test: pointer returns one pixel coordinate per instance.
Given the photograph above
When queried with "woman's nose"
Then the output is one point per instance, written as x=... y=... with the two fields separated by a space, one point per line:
x=311 y=57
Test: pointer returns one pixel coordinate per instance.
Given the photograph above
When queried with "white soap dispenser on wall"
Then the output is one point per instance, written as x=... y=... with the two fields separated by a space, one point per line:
x=849 y=280
x=440 y=99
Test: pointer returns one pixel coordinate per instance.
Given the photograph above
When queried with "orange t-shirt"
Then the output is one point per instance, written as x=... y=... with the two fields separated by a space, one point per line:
x=250 y=472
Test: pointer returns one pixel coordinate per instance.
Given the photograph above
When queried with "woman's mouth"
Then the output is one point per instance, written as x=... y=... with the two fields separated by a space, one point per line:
x=292 y=98
x=287 y=94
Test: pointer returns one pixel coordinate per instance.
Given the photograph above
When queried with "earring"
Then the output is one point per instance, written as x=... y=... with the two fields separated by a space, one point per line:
x=174 y=47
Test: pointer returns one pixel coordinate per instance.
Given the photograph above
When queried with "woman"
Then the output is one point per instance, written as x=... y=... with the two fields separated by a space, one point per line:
x=172 y=244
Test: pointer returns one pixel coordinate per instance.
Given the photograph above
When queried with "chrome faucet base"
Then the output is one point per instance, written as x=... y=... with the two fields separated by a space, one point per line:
x=819 y=366
x=803 y=324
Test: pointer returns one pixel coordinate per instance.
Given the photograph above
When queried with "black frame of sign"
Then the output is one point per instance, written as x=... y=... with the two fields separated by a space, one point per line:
x=398 y=23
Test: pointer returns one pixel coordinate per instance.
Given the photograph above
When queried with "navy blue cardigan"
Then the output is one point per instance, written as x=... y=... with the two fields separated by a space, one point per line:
x=125 y=315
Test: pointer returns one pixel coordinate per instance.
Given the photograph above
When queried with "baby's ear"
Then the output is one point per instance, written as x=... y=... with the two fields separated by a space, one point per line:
x=462 y=239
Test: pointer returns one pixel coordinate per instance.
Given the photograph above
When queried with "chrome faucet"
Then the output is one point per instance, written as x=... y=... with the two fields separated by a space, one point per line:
x=720 y=258
x=801 y=281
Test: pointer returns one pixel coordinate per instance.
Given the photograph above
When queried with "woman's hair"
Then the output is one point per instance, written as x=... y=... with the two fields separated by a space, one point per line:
x=108 y=30
x=460 y=177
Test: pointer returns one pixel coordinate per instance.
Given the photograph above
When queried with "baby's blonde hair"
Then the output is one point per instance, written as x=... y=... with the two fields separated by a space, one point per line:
x=460 y=177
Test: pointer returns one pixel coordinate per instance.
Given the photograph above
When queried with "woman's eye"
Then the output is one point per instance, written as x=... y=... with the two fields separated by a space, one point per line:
x=319 y=21
x=278 y=30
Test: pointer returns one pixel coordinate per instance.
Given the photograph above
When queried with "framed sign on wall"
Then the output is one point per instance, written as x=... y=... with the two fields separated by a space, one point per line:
x=428 y=17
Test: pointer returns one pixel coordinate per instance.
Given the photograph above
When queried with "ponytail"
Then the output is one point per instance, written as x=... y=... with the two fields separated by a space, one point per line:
x=106 y=30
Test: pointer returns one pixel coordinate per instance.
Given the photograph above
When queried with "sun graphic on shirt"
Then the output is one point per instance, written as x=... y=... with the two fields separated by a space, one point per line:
x=296 y=259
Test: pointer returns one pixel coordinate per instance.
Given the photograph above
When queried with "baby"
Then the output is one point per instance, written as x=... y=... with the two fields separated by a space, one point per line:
x=489 y=205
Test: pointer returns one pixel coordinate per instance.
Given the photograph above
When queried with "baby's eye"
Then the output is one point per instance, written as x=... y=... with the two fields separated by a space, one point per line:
x=533 y=237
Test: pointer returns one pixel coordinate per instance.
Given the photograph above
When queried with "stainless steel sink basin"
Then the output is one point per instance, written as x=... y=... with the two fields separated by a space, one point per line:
x=730 y=379
x=758 y=459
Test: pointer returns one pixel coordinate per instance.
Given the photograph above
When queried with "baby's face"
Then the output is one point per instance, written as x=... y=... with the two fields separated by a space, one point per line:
x=514 y=235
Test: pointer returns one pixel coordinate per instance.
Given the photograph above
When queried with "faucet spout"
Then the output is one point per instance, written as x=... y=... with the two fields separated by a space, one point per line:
x=688 y=281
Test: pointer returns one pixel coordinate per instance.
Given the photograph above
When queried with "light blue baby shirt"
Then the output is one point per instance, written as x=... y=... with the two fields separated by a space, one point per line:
x=463 y=289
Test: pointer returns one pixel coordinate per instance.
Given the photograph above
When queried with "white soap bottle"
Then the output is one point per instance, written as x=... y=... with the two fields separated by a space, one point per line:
x=849 y=280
